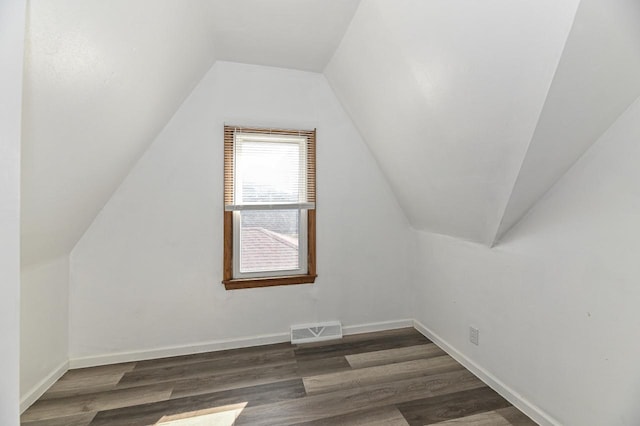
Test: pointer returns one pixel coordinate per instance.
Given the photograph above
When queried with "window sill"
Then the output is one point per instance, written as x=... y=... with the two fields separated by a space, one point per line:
x=238 y=284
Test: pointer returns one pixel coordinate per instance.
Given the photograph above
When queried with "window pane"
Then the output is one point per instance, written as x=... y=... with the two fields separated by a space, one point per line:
x=269 y=240
x=269 y=172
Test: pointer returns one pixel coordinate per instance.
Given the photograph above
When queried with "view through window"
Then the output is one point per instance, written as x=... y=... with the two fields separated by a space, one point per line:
x=269 y=197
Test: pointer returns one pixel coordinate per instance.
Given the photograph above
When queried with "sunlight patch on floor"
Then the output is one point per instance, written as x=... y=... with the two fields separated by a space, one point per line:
x=217 y=416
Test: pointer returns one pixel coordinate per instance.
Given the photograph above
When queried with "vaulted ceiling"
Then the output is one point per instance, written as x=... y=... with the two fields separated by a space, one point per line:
x=102 y=78
x=472 y=109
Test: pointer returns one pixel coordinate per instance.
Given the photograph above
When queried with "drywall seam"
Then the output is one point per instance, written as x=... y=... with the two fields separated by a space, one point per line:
x=40 y=388
x=519 y=401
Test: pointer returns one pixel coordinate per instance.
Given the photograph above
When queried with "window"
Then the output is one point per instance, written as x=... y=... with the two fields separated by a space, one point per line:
x=269 y=207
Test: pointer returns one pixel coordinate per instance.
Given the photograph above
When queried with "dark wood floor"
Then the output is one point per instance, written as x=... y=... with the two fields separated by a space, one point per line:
x=388 y=378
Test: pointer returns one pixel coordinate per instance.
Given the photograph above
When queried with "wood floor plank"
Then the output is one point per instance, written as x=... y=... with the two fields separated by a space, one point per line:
x=217 y=416
x=75 y=420
x=350 y=348
x=88 y=380
x=389 y=356
x=508 y=416
x=204 y=369
x=242 y=356
x=237 y=379
x=489 y=418
x=451 y=406
x=322 y=366
x=385 y=416
x=515 y=416
x=153 y=412
x=69 y=406
x=363 y=337
x=316 y=407
x=88 y=372
x=80 y=385
x=379 y=374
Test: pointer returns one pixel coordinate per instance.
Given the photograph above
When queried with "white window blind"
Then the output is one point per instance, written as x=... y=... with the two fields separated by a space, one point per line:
x=270 y=171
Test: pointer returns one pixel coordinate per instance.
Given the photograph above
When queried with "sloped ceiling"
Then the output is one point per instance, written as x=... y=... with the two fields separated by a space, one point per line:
x=298 y=34
x=102 y=78
x=447 y=94
x=472 y=109
x=597 y=79
x=475 y=109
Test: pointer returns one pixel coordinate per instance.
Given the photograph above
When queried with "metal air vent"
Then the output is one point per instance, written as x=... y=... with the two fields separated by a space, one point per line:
x=306 y=333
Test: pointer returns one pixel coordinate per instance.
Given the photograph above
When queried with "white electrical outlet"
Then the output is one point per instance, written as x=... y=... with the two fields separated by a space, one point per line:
x=474 y=335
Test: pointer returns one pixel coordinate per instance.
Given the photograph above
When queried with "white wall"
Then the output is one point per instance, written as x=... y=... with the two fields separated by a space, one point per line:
x=557 y=302
x=44 y=325
x=12 y=19
x=147 y=273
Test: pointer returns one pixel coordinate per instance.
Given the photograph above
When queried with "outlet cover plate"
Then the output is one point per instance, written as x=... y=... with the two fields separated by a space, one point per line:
x=474 y=335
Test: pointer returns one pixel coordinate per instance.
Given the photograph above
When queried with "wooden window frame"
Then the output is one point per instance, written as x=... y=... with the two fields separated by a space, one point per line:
x=227 y=272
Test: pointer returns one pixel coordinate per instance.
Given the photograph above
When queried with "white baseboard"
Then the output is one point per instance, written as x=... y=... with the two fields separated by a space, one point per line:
x=216 y=345
x=40 y=388
x=376 y=326
x=530 y=409
x=219 y=345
